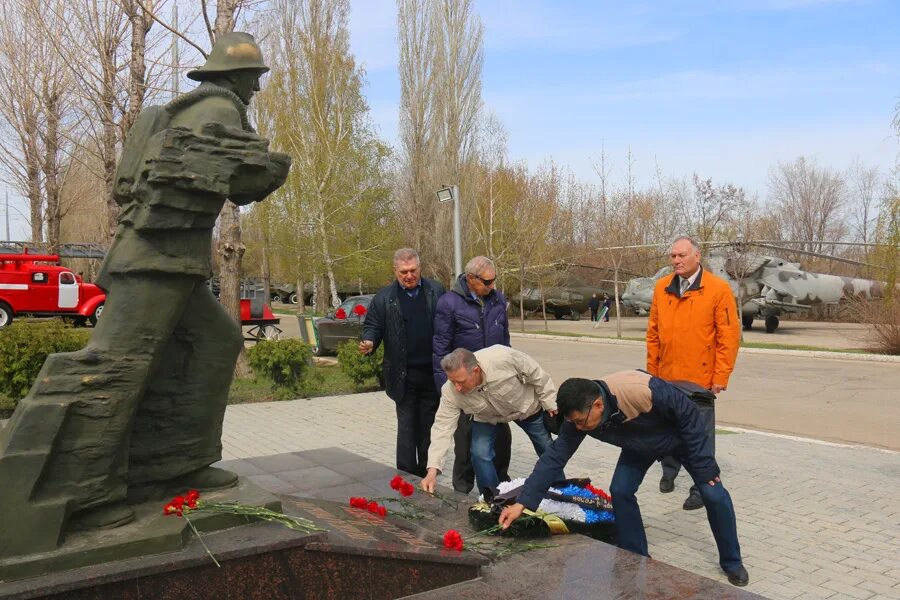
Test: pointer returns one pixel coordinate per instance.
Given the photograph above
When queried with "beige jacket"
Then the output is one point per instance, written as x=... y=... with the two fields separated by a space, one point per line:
x=515 y=387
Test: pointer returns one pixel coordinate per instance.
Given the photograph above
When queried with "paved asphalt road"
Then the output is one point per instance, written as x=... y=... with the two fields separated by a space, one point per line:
x=840 y=400
x=852 y=401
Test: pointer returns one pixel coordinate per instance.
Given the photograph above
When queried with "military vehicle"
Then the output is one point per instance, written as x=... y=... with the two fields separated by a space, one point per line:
x=638 y=292
x=562 y=301
x=769 y=285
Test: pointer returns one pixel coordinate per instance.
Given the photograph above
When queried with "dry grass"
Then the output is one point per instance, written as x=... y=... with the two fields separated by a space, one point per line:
x=884 y=318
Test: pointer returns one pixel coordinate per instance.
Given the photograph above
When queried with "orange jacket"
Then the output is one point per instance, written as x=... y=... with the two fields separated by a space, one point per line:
x=694 y=337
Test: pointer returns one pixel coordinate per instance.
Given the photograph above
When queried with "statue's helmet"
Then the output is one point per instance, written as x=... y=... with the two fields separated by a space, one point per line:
x=231 y=52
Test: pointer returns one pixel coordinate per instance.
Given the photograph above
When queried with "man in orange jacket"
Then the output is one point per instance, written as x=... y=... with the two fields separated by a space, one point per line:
x=693 y=334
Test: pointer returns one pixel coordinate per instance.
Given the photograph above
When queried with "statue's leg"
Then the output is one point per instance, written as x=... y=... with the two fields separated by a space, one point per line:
x=178 y=426
x=66 y=445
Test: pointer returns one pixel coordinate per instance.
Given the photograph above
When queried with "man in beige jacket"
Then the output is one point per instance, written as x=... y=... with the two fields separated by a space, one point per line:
x=492 y=386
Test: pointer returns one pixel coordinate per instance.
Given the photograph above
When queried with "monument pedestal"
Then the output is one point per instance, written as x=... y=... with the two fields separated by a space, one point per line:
x=363 y=556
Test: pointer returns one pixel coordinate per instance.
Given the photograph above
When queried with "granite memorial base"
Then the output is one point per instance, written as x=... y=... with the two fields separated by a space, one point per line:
x=364 y=556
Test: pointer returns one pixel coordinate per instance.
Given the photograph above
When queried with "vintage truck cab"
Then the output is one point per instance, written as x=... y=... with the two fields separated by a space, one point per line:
x=36 y=284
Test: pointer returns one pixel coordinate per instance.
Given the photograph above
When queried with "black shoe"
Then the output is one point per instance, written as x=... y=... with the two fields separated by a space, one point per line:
x=666 y=485
x=738 y=577
x=694 y=501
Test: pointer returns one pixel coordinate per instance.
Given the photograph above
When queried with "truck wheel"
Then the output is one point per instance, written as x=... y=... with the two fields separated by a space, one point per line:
x=6 y=315
x=771 y=324
x=95 y=316
x=276 y=298
x=294 y=298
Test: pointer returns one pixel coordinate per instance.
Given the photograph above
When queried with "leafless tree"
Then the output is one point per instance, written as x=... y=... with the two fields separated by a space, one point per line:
x=810 y=201
x=20 y=109
x=866 y=188
x=457 y=35
x=415 y=193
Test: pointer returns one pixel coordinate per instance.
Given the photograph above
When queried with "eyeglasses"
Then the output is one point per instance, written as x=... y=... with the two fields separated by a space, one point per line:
x=584 y=421
x=487 y=282
x=587 y=416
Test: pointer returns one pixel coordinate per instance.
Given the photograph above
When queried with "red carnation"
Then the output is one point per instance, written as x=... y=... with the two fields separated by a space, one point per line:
x=359 y=310
x=453 y=540
x=191 y=498
x=381 y=512
x=358 y=502
x=175 y=506
x=397 y=482
x=372 y=506
x=407 y=489
x=340 y=314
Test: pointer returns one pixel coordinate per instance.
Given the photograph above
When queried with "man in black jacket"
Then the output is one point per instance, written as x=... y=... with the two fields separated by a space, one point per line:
x=401 y=315
x=648 y=418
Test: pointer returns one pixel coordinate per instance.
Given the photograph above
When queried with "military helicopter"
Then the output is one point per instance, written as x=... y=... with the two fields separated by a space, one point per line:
x=569 y=299
x=638 y=292
x=769 y=285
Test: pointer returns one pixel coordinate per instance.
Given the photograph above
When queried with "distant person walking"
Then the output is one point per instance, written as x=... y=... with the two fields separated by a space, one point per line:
x=594 y=306
x=693 y=334
x=472 y=315
x=607 y=307
x=401 y=315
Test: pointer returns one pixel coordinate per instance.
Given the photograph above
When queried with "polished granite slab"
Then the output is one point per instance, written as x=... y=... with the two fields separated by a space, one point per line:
x=578 y=567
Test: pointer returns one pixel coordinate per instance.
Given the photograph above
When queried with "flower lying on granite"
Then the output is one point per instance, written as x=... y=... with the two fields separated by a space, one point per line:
x=453 y=540
x=182 y=506
x=370 y=505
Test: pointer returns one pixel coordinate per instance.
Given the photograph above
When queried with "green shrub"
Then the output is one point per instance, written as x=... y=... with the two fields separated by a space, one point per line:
x=24 y=346
x=284 y=362
x=358 y=367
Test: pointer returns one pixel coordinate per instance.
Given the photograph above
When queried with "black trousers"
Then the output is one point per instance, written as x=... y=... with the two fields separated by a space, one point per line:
x=671 y=465
x=463 y=472
x=415 y=416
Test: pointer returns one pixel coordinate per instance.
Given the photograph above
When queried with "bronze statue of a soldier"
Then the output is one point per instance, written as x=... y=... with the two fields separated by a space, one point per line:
x=140 y=409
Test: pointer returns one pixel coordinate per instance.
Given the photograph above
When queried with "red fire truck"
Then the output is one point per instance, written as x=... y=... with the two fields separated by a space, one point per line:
x=36 y=284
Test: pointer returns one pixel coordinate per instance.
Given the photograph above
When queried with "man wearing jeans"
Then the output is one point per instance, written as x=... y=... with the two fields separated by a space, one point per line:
x=491 y=386
x=647 y=418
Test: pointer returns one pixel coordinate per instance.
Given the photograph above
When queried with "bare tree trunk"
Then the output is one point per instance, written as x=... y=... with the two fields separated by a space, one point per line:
x=301 y=296
x=140 y=22
x=522 y=297
x=618 y=308
x=110 y=136
x=231 y=246
x=544 y=307
x=52 y=115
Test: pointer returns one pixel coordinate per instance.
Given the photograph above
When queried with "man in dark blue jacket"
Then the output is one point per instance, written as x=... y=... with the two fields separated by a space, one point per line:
x=648 y=418
x=472 y=315
x=401 y=315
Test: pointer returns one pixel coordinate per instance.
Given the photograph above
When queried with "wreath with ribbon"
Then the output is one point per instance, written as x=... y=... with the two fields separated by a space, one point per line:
x=569 y=506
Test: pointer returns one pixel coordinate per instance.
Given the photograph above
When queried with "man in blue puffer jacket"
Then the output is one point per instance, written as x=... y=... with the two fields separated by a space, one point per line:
x=647 y=418
x=472 y=315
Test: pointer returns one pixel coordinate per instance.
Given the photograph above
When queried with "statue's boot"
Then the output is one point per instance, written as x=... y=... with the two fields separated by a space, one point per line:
x=207 y=479
x=106 y=516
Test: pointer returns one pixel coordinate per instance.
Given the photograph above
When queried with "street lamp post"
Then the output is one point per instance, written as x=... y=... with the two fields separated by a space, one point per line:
x=446 y=193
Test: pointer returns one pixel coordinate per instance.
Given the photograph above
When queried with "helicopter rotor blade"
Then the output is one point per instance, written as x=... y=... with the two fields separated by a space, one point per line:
x=817 y=255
